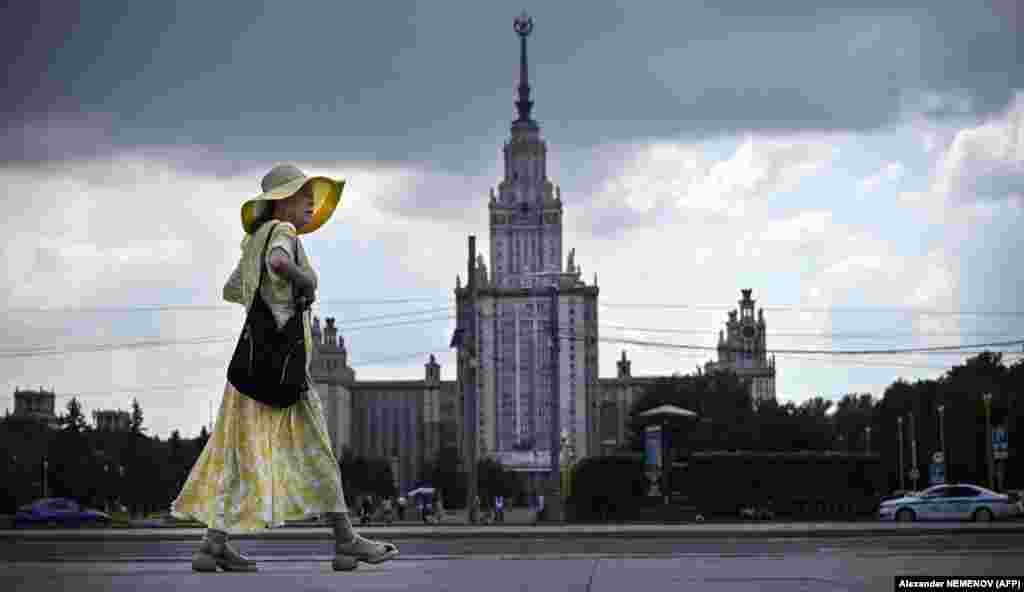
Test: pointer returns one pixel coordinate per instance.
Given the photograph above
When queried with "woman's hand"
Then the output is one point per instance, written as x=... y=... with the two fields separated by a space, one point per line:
x=301 y=279
x=305 y=297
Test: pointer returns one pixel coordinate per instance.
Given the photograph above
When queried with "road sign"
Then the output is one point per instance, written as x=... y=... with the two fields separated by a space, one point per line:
x=914 y=473
x=1000 y=454
x=938 y=458
x=1000 y=439
x=937 y=473
x=652 y=446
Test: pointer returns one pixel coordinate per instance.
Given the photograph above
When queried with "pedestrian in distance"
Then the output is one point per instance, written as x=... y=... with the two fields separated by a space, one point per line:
x=401 y=508
x=367 y=511
x=475 y=510
x=438 y=510
x=269 y=458
x=499 y=508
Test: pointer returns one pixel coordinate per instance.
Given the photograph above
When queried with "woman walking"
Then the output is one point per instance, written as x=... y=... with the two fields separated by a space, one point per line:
x=265 y=464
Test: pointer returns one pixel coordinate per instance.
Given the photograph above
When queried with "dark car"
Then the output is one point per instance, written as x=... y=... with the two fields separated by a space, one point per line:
x=60 y=512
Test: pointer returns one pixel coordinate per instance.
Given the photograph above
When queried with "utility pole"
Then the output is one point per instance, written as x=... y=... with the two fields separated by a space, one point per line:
x=555 y=507
x=942 y=442
x=988 y=441
x=471 y=406
x=913 y=453
x=899 y=449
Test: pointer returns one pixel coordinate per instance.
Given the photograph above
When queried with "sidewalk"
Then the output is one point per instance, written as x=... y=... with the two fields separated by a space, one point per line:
x=462 y=530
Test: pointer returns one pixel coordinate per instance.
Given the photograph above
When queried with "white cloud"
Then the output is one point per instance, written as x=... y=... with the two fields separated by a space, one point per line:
x=672 y=183
x=694 y=230
x=890 y=173
x=758 y=170
x=977 y=165
x=985 y=162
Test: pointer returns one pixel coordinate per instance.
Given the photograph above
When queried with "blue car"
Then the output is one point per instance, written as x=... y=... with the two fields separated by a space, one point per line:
x=58 y=512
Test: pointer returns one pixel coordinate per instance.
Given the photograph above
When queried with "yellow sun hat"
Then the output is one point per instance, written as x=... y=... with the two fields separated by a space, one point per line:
x=283 y=181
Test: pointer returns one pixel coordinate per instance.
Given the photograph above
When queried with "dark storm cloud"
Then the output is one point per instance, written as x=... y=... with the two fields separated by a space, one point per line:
x=31 y=34
x=392 y=82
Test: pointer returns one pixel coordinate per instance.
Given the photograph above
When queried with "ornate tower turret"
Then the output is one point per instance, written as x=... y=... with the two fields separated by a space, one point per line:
x=624 y=366
x=315 y=331
x=526 y=215
x=743 y=349
x=433 y=372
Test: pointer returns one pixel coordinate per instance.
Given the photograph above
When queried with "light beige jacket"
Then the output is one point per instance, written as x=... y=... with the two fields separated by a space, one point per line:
x=276 y=290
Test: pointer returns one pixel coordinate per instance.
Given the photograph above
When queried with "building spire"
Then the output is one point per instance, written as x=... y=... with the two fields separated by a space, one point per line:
x=523 y=26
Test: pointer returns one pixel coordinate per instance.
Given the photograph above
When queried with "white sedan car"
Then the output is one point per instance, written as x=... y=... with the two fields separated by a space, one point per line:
x=950 y=502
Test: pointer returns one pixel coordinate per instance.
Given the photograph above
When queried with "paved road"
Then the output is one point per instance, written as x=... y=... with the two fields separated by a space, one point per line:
x=525 y=563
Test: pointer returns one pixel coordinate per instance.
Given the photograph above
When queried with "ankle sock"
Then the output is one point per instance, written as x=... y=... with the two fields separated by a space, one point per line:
x=217 y=537
x=342 y=527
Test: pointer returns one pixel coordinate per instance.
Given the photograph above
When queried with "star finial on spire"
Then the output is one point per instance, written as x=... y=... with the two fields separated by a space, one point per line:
x=523 y=26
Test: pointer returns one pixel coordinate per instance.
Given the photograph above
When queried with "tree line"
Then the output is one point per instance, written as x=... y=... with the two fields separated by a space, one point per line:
x=145 y=473
x=729 y=457
x=858 y=422
x=110 y=468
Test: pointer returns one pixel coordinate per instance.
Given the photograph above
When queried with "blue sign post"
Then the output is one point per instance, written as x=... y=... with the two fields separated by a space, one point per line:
x=1000 y=443
x=652 y=446
x=652 y=456
x=937 y=473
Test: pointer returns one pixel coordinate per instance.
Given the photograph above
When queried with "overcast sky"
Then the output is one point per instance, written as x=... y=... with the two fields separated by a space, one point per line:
x=832 y=158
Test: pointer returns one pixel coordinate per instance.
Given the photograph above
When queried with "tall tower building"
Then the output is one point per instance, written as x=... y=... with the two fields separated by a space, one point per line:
x=516 y=375
x=742 y=348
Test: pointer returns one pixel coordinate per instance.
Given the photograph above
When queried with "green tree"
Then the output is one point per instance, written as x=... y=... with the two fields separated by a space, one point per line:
x=607 y=487
x=721 y=400
x=74 y=420
x=960 y=390
x=382 y=478
x=495 y=479
x=448 y=476
x=813 y=425
x=854 y=414
x=136 y=424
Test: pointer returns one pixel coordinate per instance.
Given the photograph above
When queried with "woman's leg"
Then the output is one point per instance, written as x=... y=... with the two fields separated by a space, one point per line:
x=350 y=548
x=214 y=551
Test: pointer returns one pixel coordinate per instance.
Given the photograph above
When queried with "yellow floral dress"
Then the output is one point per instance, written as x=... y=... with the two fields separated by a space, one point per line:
x=263 y=465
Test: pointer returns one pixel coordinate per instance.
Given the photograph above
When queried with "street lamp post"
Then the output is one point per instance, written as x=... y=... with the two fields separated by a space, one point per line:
x=106 y=486
x=913 y=452
x=942 y=440
x=899 y=449
x=120 y=486
x=988 y=441
x=46 y=469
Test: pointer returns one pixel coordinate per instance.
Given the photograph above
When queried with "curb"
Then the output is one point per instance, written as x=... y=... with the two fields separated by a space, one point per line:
x=549 y=531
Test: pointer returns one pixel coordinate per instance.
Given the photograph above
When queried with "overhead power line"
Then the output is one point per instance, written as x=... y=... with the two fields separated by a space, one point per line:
x=451 y=300
x=830 y=309
x=402 y=323
x=219 y=383
x=199 y=307
x=825 y=335
x=154 y=343
x=565 y=334
x=1017 y=342
x=357 y=324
